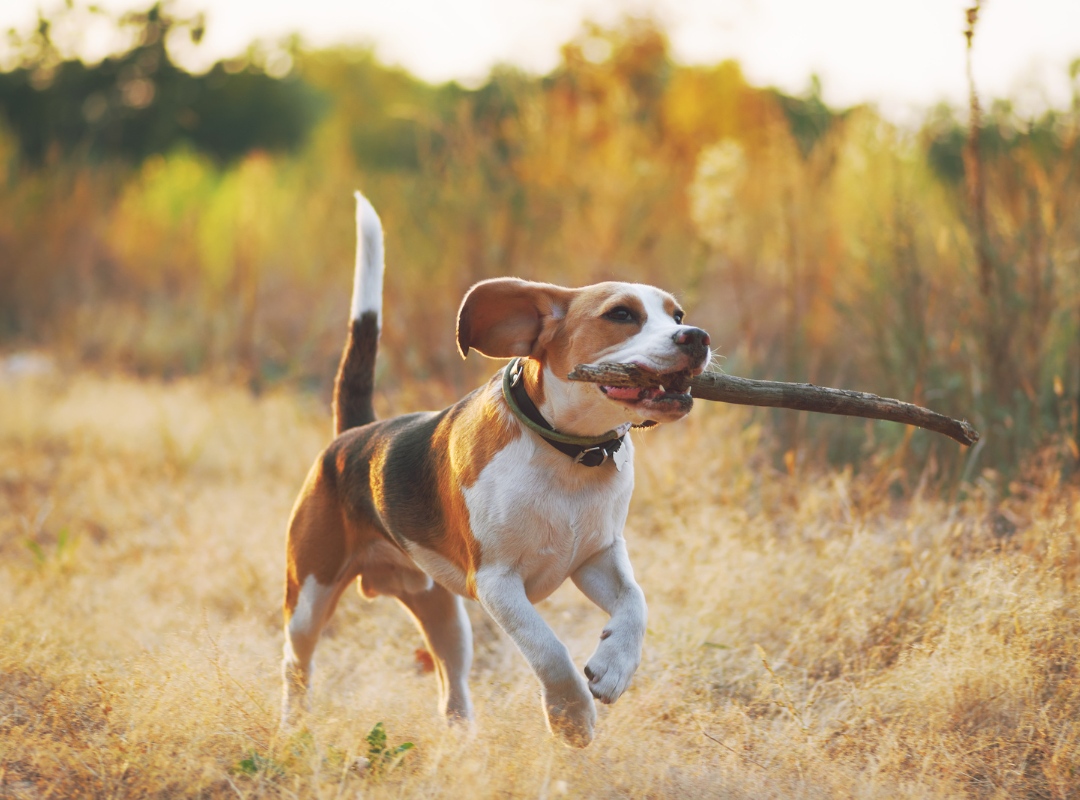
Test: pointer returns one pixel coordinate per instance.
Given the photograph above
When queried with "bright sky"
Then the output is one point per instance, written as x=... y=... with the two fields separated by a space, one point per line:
x=901 y=55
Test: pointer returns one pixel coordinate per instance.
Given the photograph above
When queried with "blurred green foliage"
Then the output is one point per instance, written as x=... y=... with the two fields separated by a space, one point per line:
x=139 y=102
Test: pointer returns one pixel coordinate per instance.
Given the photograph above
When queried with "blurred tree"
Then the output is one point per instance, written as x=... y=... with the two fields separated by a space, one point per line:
x=140 y=102
x=808 y=117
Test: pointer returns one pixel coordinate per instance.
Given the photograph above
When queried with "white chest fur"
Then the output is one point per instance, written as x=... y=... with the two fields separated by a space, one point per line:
x=532 y=509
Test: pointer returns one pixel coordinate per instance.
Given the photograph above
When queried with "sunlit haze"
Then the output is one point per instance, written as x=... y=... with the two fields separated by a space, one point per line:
x=902 y=56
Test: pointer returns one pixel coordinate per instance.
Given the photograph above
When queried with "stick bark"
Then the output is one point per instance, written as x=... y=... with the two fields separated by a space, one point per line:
x=797 y=396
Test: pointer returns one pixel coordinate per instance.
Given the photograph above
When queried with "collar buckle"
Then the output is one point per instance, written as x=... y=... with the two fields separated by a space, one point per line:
x=589 y=453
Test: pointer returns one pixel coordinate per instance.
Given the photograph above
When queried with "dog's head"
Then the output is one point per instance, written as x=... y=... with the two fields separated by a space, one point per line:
x=559 y=328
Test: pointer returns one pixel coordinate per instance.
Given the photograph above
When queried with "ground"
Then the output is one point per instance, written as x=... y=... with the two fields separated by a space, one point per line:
x=810 y=634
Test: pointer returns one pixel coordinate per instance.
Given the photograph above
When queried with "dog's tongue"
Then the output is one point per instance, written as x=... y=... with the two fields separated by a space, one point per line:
x=630 y=392
x=622 y=392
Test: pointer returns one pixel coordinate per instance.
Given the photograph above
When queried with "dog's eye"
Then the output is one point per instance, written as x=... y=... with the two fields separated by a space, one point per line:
x=679 y=317
x=620 y=314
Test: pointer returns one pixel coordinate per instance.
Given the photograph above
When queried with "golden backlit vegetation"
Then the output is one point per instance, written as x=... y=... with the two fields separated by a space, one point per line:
x=810 y=635
x=813 y=243
x=837 y=608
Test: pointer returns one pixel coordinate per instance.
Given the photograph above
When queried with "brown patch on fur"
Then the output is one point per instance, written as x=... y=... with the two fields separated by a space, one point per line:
x=481 y=431
x=533 y=375
x=454 y=541
x=326 y=532
x=585 y=331
x=317 y=540
x=670 y=305
x=465 y=442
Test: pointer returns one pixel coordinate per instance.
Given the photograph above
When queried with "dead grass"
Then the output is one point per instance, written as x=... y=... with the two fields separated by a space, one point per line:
x=809 y=637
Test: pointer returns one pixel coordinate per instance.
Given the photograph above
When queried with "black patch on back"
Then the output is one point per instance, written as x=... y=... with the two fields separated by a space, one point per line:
x=410 y=464
x=411 y=479
x=412 y=452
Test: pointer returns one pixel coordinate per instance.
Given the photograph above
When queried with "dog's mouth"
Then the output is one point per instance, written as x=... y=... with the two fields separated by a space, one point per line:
x=668 y=392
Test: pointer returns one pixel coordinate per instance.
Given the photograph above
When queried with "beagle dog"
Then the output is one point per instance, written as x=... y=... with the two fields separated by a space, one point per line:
x=500 y=497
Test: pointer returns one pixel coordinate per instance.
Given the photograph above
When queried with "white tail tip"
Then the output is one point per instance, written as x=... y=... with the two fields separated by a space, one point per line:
x=368 y=279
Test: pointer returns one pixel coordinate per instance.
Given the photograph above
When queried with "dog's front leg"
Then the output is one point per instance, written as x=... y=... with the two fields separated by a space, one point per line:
x=571 y=713
x=608 y=580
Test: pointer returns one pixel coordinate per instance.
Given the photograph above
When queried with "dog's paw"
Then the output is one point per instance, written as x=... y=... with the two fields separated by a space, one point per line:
x=571 y=713
x=458 y=712
x=612 y=665
x=294 y=702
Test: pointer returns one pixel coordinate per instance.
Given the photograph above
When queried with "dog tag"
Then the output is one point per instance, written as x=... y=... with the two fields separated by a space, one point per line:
x=621 y=456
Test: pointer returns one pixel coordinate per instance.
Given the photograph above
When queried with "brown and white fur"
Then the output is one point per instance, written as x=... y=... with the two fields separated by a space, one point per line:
x=467 y=502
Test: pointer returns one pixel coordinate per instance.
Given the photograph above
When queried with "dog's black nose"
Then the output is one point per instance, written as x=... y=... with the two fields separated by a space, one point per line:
x=691 y=338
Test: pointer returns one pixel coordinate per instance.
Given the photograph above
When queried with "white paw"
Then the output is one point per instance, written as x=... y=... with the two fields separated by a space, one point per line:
x=294 y=696
x=571 y=713
x=612 y=665
x=294 y=716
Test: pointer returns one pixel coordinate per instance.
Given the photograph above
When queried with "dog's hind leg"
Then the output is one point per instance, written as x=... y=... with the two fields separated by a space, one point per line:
x=315 y=579
x=442 y=620
x=305 y=622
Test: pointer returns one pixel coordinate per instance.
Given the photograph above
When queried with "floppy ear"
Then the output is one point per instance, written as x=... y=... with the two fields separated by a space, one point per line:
x=503 y=317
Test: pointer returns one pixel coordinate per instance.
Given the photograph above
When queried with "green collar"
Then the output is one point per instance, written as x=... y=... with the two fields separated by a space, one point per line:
x=592 y=451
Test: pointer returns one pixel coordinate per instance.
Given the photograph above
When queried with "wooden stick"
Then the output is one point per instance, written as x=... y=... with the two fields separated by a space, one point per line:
x=797 y=396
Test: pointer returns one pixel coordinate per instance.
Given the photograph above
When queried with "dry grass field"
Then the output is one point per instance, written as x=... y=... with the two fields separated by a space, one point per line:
x=815 y=634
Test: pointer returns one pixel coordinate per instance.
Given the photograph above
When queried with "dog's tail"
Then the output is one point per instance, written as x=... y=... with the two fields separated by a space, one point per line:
x=355 y=381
